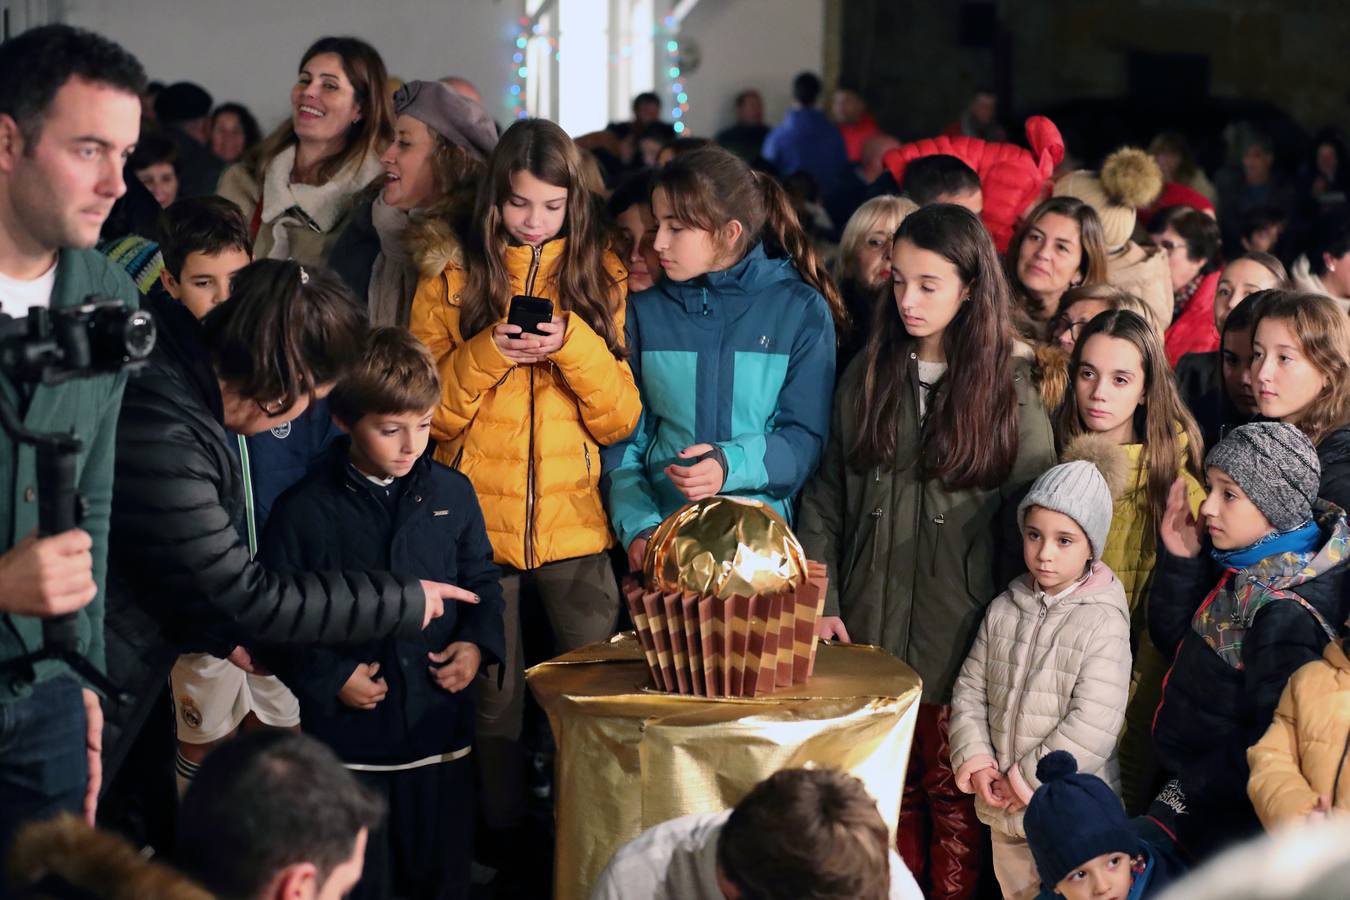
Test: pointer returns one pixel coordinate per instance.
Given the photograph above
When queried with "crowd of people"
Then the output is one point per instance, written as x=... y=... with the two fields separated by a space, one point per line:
x=1074 y=443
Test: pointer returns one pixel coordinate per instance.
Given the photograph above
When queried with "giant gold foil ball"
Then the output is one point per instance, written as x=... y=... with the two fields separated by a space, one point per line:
x=724 y=546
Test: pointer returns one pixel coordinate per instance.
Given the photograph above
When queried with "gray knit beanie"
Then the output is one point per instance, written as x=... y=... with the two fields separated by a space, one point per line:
x=1078 y=490
x=1277 y=468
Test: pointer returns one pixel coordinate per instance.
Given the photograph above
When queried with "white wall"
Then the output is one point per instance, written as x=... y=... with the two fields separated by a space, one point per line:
x=248 y=50
x=749 y=43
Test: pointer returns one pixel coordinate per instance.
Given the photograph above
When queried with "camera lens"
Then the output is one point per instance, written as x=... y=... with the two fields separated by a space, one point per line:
x=139 y=335
x=117 y=335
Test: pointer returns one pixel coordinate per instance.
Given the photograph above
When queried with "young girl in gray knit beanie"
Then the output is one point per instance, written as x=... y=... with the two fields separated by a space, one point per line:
x=1050 y=667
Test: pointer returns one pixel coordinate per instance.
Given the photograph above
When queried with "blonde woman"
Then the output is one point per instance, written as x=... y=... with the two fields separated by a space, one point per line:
x=865 y=266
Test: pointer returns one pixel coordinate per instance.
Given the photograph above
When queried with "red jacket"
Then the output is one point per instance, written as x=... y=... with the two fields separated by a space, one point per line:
x=1012 y=178
x=858 y=132
x=1193 y=331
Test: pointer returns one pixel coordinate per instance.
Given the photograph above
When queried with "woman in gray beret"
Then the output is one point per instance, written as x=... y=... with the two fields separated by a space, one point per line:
x=405 y=223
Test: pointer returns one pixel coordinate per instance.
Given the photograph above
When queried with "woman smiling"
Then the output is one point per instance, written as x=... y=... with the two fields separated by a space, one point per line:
x=296 y=188
x=401 y=227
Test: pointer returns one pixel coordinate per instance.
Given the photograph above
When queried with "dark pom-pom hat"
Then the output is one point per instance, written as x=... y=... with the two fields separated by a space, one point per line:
x=1073 y=817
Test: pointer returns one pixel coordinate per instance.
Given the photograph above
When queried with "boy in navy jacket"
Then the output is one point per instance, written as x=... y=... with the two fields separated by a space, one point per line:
x=397 y=712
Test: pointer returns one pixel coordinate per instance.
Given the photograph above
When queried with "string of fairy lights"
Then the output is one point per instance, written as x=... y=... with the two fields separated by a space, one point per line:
x=529 y=31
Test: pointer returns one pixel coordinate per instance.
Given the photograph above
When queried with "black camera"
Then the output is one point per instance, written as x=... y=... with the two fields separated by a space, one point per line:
x=100 y=336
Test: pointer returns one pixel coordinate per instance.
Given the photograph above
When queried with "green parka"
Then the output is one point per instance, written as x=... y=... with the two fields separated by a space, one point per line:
x=912 y=565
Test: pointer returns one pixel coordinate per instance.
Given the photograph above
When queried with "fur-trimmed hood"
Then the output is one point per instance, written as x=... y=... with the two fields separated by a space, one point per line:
x=434 y=245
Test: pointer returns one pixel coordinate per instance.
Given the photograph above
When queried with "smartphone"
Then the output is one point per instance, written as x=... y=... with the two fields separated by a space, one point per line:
x=529 y=313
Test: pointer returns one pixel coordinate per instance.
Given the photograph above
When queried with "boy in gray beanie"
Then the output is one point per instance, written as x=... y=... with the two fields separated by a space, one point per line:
x=1050 y=667
x=1238 y=620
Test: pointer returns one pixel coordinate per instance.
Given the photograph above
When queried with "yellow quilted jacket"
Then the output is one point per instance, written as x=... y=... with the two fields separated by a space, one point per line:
x=529 y=437
x=1131 y=551
x=1132 y=544
x=1303 y=753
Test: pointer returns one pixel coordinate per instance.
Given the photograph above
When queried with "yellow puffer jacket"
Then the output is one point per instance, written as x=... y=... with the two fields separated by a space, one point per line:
x=1131 y=551
x=529 y=437
x=1132 y=544
x=1305 y=748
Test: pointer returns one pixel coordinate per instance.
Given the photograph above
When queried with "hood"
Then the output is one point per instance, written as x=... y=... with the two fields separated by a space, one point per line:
x=434 y=245
x=179 y=348
x=1101 y=588
x=1286 y=571
x=1334 y=448
x=753 y=275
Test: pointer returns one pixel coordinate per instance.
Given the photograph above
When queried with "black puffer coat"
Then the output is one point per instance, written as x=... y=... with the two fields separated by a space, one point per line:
x=180 y=579
x=1333 y=452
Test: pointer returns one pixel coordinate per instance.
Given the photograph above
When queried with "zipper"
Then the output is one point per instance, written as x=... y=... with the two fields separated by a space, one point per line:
x=1026 y=677
x=705 y=301
x=1162 y=692
x=587 y=450
x=529 y=459
x=529 y=485
x=938 y=520
x=534 y=271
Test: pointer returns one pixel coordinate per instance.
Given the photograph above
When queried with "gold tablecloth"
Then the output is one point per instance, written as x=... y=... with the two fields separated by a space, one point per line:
x=630 y=758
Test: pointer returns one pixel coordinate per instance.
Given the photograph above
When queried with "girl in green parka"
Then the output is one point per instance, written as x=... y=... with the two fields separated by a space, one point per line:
x=937 y=431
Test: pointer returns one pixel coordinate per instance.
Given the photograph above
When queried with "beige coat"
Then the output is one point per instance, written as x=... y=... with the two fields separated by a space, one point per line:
x=1143 y=272
x=1306 y=746
x=272 y=203
x=1044 y=674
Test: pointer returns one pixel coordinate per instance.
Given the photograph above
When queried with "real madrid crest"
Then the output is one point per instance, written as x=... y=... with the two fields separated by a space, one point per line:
x=191 y=714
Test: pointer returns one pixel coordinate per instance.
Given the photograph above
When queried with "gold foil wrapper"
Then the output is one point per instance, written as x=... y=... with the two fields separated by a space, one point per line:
x=630 y=758
x=724 y=546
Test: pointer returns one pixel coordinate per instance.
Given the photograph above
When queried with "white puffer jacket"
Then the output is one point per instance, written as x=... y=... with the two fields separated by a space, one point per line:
x=1044 y=674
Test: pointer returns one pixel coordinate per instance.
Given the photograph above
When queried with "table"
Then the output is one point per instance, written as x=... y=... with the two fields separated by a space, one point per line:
x=630 y=757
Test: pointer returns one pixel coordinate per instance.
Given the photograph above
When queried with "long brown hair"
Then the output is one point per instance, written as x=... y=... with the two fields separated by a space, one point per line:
x=1324 y=333
x=1091 y=240
x=710 y=187
x=969 y=437
x=541 y=148
x=364 y=68
x=1157 y=421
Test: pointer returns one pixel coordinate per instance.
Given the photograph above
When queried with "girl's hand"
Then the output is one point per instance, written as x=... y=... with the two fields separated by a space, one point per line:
x=831 y=628
x=1002 y=789
x=552 y=340
x=1179 y=531
x=637 y=551
x=701 y=480
x=983 y=782
x=522 y=349
x=1320 y=809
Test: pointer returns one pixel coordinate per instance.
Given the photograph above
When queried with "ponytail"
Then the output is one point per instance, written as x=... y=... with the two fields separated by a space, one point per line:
x=710 y=187
x=783 y=235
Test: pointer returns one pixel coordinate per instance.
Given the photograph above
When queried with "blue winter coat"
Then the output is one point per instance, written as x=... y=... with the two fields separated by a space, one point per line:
x=807 y=141
x=742 y=359
x=332 y=521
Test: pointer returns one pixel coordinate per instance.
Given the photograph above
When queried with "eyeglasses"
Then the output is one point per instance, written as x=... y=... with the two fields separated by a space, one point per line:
x=1061 y=324
x=272 y=407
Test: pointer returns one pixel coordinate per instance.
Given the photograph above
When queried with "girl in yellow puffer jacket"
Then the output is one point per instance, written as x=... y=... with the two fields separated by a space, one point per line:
x=1298 y=768
x=1121 y=391
x=524 y=414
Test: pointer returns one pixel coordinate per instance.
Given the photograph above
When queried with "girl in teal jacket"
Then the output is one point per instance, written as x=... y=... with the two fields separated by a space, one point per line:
x=733 y=351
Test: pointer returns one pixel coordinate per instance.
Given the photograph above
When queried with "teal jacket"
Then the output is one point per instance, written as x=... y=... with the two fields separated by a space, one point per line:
x=89 y=407
x=742 y=359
